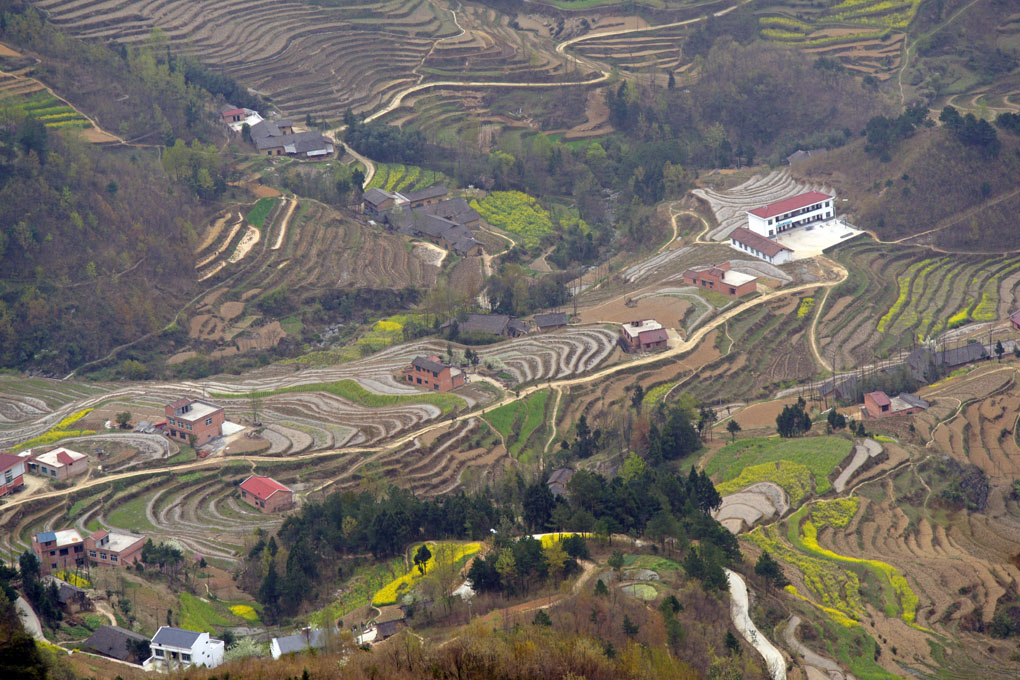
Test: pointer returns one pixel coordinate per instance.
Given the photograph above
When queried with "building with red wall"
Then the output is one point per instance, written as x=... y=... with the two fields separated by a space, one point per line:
x=881 y=405
x=114 y=548
x=12 y=473
x=431 y=373
x=643 y=336
x=58 y=550
x=721 y=279
x=194 y=417
x=59 y=463
x=266 y=494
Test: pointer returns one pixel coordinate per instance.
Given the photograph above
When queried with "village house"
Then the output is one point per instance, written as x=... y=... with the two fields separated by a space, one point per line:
x=114 y=548
x=375 y=202
x=12 y=473
x=880 y=405
x=58 y=550
x=277 y=138
x=761 y=247
x=431 y=373
x=721 y=279
x=307 y=640
x=196 y=418
x=551 y=321
x=439 y=230
x=179 y=648
x=457 y=210
x=775 y=218
x=558 y=481
x=1014 y=320
x=72 y=598
x=59 y=463
x=643 y=336
x=425 y=197
x=490 y=324
x=266 y=494
x=117 y=643
x=236 y=117
x=843 y=388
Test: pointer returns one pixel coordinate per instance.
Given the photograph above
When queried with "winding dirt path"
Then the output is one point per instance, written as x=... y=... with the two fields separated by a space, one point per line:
x=283 y=225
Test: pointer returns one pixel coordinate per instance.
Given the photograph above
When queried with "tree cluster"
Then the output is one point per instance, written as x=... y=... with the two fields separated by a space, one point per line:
x=516 y=566
x=971 y=131
x=45 y=599
x=883 y=133
x=794 y=419
x=383 y=142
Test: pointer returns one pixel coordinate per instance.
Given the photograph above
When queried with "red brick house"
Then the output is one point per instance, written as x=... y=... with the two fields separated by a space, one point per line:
x=12 y=473
x=643 y=336
x=59 y=463
x=880 y=405
x=58 y=550
x=266 y=494
x=433 y=374
x=721 y=279
x=114 y=548
x=194 y=417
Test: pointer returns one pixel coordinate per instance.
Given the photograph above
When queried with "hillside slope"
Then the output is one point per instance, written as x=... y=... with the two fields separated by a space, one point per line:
x=946 y=194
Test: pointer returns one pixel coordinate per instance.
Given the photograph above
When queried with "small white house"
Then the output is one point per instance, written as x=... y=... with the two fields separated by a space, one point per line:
x=179 y=648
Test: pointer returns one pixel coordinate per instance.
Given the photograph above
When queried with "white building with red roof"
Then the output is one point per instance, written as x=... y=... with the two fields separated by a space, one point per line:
x=59 y=463
x=775 y=218
x=266 y=494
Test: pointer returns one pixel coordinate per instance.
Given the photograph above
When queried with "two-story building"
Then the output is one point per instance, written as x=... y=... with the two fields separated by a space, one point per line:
x=12 y=473
x=179 y=648
x=721 y=279
x=114 y=548
x=193 y=417
x=58 y=550
x=59 y=463
x=775 y=218
x=266 y=494
x=643 y=336
x=431 y=373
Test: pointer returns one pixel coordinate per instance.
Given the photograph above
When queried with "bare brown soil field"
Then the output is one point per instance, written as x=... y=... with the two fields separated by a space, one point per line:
x=763 y=414
x=6 y=51
x=666 y=310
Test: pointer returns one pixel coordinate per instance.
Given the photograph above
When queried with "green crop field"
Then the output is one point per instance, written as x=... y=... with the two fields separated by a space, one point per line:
x=517 y=213
x=397 y=177
x=820 y=455
x=519 y=419
x=53 y=112
x=258 y=214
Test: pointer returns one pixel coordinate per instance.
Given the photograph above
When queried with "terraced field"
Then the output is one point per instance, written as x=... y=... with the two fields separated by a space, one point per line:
x=867 y=35
x=897 y=296
x=731 y=205
x=320 y=59
x=28 y=94
x=397 y=177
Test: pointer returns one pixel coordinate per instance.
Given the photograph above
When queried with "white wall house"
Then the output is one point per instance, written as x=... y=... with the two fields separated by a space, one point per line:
x=179 y=648
x=788 y=213
x=752 y=243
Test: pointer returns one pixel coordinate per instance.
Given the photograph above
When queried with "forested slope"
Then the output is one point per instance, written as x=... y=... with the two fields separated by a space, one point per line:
x=94 y=247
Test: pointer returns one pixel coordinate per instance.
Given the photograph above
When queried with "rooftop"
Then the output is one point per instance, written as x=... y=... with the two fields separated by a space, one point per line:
x=551 y=319
x=880 y=398
x=118 y=541
x=376 y=196
x=7 y=460
x=263 y=487
x=59 y=457
x=757 y=242
x=62 y=537
x=113 y=641
x=299 y=642
x=431 y=363
x=906 y=401
x=175 y=637
x=199 y=409
x=788 y=204
x=634 y=328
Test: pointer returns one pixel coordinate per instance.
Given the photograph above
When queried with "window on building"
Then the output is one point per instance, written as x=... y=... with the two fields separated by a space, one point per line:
x=185 y=656
x=157 y=653
x=208 y=421
x=102 y=556
x=92 y=553
x=63 y=551
x=113 y=558
x=189 y=426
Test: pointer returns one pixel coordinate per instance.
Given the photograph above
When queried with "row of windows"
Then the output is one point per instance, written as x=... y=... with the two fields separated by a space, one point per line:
x=102 y=555
x=794 y=213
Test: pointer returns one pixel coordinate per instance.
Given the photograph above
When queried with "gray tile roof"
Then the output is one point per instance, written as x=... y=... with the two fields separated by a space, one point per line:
x=551 y=319
x=434 y=191
x=376 y=196
x=175 y=637
x=495 y=324
x=427 y=364
x=454 y=209
x=113 y=641
x=300 y=642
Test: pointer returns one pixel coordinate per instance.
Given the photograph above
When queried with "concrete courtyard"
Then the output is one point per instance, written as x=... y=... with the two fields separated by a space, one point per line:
x=810 y=240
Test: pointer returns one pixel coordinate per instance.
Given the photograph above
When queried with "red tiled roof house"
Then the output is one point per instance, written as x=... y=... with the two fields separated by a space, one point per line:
x=114 y=548
x=266 y=494
x=59 y=463
x=643 y=336
x=12 y=473
x=431 y=373
x=775 y=218
x=881 y=405
x=194 y=417
x=721 y=279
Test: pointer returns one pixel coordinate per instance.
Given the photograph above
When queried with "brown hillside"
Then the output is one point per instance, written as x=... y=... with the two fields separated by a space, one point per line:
x=935 y=189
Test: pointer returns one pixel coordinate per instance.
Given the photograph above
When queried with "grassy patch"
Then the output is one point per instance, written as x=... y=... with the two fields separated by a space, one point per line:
x=819 y=454
x=352 y=391
x=195 y=613
x=358 y=590
x=131 y=514
x=526 y=415
x=258 y=214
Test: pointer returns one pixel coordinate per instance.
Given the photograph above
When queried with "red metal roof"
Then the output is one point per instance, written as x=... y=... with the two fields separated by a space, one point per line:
x=880 y=398
x=99 y=535
x=65 y=458
x=8 y=461
x=757 y=241
x=231 y=112
x=262 y=487
x=788 y=204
